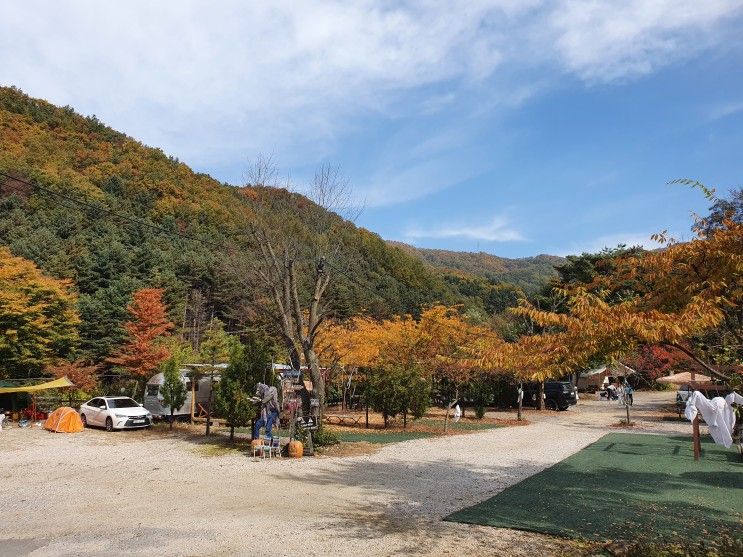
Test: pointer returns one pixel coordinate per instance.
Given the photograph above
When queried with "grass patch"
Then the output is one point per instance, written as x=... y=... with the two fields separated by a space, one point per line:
x=379 y=437
x=456 y=426
x=625 y=486
x=221 y=449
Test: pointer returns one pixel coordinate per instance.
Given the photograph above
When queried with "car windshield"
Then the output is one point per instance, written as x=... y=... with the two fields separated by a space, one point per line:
x=122 y=403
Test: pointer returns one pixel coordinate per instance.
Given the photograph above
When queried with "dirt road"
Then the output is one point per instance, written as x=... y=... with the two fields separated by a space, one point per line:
x=97 y=493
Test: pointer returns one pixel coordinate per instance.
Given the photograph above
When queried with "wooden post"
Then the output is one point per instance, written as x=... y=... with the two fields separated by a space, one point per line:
x=696 y=441
x=209 y=401
x=194 y=378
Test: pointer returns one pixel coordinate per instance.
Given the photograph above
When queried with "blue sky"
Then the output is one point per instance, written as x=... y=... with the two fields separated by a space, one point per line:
x=515 y=127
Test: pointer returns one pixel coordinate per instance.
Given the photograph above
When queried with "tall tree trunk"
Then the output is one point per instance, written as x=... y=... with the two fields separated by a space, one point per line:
x=318 y=382
x=626 y=406
x=171 y=418
x=520 y=401
x=540 y=401
x=449 y=407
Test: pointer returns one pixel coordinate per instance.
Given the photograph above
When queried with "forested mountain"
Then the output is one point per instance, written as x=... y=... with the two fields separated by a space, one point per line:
x=528 y=273
x=102 y=200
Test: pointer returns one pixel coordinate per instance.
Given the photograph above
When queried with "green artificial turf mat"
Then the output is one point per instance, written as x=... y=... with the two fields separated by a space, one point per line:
x=625 y=486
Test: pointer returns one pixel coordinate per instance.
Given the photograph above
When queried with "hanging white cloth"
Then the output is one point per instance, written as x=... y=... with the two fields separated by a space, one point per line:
x=734 y=398
x=457 y=413
x=717 y=414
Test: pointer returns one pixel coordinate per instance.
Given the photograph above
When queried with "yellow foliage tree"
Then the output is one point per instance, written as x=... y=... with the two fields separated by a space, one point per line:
x=38 y=321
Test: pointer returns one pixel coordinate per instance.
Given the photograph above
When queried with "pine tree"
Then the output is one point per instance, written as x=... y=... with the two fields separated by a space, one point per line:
x=248 y=365
x=173 y=389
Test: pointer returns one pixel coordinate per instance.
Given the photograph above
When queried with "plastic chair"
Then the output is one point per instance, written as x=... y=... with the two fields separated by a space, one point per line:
x=276 y=446
x=266 y=447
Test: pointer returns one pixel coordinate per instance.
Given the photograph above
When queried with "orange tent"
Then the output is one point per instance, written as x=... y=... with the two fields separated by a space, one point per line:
x=64 y=419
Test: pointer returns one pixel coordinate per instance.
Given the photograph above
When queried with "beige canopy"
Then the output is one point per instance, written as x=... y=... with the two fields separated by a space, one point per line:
x=56 y=384
x=683 y=378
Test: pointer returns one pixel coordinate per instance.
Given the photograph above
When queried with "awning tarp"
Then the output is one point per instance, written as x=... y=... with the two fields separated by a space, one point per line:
x=592 y=372
x=56 y=384
x=683 y=378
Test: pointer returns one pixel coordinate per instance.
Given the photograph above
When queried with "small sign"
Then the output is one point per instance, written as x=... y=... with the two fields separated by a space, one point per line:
x=307 y=422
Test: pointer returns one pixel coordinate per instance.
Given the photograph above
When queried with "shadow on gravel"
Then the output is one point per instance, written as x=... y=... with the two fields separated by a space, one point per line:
x=414 y=496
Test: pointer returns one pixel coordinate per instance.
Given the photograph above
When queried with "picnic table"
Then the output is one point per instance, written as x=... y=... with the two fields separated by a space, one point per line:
x=342 y=419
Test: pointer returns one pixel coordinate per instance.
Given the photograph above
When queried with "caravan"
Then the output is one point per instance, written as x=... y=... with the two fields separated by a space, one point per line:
x=197 y=392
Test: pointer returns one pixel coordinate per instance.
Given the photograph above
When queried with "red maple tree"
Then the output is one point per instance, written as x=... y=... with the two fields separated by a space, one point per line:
x=654 y=362
x=83 y=374
x=141 y=354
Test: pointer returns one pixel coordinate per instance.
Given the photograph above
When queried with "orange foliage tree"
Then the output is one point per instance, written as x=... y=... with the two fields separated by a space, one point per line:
x=684 y=291
x=440 y=343
x=141 y=354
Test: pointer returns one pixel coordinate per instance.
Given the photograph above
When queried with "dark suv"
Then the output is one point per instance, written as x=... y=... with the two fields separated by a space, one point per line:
x=559 y=395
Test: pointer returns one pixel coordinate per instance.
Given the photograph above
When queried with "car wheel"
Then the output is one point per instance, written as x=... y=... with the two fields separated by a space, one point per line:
x=551 y=404
x=84 y=420
x=109 y=424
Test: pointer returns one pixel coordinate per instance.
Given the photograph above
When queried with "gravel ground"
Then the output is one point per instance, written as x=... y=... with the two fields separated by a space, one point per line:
x=133 y=493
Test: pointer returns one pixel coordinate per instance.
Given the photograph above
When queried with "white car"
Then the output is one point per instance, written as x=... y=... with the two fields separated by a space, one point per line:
x=114 y=412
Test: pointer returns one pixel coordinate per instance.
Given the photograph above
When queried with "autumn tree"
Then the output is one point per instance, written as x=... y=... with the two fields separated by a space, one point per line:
x=83 y=374
x=439 y=346
x=143 y=350
x=38 y=321
x=291 y=277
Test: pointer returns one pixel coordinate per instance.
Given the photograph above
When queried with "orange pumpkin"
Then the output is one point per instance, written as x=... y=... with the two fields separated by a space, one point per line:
x=296 y=449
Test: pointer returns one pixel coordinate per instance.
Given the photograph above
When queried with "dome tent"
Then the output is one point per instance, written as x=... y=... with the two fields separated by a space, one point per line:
x=64 y=420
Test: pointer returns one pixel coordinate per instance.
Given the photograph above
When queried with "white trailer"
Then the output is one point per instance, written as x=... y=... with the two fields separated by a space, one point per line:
x=201 y=389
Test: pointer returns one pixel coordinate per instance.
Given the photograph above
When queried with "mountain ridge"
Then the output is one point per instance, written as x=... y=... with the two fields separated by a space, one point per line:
x=529 y=273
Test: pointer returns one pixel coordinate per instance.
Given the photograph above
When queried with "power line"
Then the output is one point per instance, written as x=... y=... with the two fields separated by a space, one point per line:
x=493 y=336
x=115 y=214
x=110 y=212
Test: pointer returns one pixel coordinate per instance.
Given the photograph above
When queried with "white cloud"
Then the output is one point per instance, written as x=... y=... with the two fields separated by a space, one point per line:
x=723 y=110
x=214 y=83
x=595 y=245
x=609 y=40
x=499 y=229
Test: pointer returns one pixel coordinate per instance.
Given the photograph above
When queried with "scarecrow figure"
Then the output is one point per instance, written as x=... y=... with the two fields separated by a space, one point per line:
x=269 y=400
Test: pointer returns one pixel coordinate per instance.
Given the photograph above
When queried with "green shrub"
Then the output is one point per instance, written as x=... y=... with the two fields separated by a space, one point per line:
x=320 y=438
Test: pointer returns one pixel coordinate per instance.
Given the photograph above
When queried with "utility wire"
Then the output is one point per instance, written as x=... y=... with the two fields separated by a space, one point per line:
x=110 y=212
x=115 y=214
x=353 y=279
